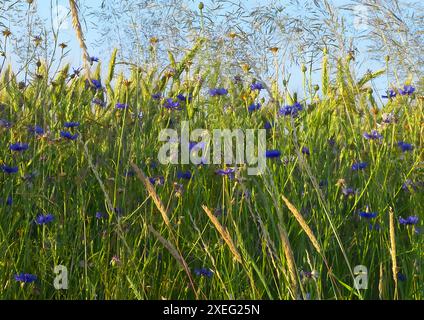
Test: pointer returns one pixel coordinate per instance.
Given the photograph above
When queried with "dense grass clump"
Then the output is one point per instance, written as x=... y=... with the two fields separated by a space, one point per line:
x=81 y=187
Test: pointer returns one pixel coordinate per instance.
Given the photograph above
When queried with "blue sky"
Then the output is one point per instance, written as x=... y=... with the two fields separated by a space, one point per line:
x=67 y=35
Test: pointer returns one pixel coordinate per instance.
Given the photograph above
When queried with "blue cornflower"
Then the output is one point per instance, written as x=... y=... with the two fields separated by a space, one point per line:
x=68 y=135
x=292 y=110
x=99 y=215
x=390 y=94
x=226 y=172
x=373 y=135
x=405 y=146
x=411 y=220
x=94 y=59
x=184 y=175
x=5 y=124
x=98 y=102
x=254 y=107
x=171 y=104
x=375 y=226
x=37 y=130
x=183 y=98
x=407 y=90
x=156 y=96
x=71 y=124
x=359 y=166
x=121 y=106
x=204 y=272
x=19 y=147
x=409 y=184
x=8 y=169
x=97 y=84
x=44 y=219
x=273 y=153
x=268 y=125
x=305 y=150
x=348 y=192
x=218 y=92
x=25 y=277
x=9 y=201
x=256 y=86
x=159 y=180
x=401 y=277
x=367 y=215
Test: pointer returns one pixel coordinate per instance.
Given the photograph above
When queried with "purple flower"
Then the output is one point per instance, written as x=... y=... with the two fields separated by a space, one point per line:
x=291 y=110
x=407 y=90
x=218 y=92
x=405 y=146
x=348 y=192
x=390 y=94
x=268 y=125
x=184 y=175
x=273 y=154
x=98 y=102
x=226 y=172
x=159 y=180
x=183 y=98
x=373 y=135
x=411 y=220
x=44 y=219
x=8 y=169
x=171 y=104
x=359 y=166
x=256 y=86
x=121 y=106
x=19 y=147
x=156 y=96
x=204 y=272
x=25 y=277
x=375 y=226
x=68 y=135
x=94 y=59
x=5 y=124
x=305 y=150
x=367 y=215
x=37 y=130
x=254 y=107
x=71 y=124
x=97 y=84
x=100 y=215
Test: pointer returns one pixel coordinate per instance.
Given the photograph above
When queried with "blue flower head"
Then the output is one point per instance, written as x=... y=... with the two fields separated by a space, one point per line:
x=94 y=59
x=203 y=272
x=273 y=154
x=121 y=106
x=159 y=180
x=69 y=136
x=268 y=125
x=407 y=90
x=97 y=84
x=292 y=110
x=305 y=151
x=25 y=277
x=359 y=166
x=218 y=92
x=226 y=172
x=184 y=175
x=367 y=215
x=98 y=102
x=7 y=169
x=156 y=96
x=44 y=219
x=19 y=147
x=390 y=94
x=171 y=104
x=256 y=86
x=254 y=107
x=373 y=135
x=405 y=146
x=71 y=124
x=411 y=220
x=37 y=130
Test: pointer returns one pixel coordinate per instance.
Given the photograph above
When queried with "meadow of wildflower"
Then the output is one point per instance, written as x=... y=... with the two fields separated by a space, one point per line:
x=81 y=185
